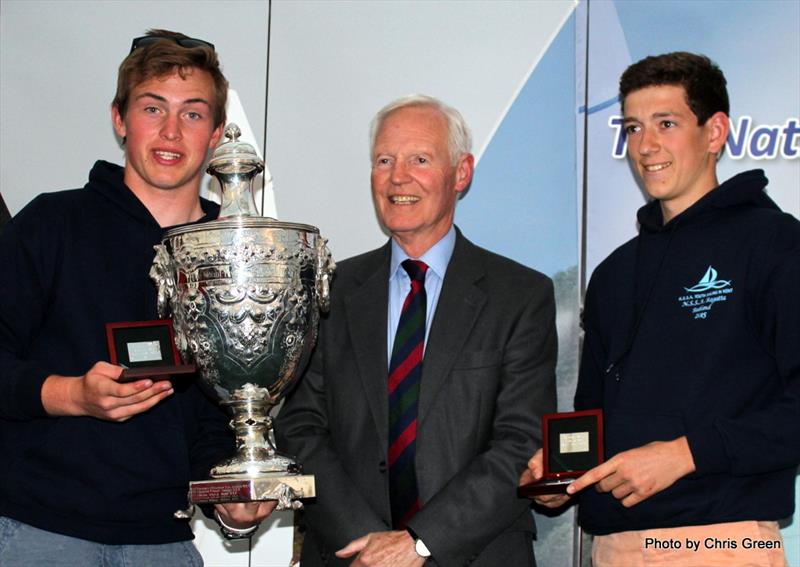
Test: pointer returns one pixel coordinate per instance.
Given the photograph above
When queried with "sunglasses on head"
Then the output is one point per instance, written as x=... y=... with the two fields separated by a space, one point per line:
x=187 y=42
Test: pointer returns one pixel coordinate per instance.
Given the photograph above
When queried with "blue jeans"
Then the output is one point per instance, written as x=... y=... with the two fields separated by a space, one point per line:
x=22 y=545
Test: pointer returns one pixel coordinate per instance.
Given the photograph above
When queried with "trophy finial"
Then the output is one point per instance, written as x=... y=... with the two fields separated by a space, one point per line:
x=235 y=155
x=235 y=164
x=232 y=132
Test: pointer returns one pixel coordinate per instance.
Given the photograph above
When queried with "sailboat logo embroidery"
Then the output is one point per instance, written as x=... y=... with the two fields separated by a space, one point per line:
x=705 y=294
x=707 y=282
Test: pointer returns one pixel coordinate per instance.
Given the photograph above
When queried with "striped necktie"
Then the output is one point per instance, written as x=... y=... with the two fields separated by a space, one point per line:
x=405 y=370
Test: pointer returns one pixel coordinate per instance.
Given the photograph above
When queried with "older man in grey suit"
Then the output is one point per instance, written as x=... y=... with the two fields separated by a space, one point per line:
x=423 y=399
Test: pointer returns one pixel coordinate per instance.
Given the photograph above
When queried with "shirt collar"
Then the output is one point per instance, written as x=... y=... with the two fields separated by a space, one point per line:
x=437 y=257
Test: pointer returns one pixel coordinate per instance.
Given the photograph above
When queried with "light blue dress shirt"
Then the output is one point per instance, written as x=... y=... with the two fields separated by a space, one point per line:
x=437 y=258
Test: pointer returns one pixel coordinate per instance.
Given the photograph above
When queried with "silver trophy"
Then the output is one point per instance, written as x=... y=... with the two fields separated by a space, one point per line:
x=245 y=293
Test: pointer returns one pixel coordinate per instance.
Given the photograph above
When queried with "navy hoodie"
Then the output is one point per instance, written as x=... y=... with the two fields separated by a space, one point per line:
x=693 y=328
x=72 y=262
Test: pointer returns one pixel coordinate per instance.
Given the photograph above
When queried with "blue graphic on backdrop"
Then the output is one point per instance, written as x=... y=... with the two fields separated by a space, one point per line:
x=522 y=203
x=745 y=139
x=763 y=141
x=613 y=197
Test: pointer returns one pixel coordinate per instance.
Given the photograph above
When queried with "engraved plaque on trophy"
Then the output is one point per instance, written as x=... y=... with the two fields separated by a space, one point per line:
x=572 y=443
x=245 y=293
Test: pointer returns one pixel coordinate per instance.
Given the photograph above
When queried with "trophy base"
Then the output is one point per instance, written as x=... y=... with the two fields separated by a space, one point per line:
x=287 y=489
x=545 y=486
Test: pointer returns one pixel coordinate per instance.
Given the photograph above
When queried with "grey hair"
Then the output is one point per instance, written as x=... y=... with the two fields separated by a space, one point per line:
x=459 y=138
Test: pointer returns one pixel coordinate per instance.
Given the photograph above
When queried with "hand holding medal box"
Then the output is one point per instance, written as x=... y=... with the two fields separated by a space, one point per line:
x=572 y=443
x=146 y=349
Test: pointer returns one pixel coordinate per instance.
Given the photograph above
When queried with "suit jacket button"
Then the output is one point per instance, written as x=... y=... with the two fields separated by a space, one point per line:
x=382 y=466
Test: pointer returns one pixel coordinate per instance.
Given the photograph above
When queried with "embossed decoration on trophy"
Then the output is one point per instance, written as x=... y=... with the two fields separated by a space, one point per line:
x=245 y=293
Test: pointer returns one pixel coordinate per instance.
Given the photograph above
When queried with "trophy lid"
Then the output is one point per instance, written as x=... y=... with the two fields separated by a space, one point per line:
x=234 y=156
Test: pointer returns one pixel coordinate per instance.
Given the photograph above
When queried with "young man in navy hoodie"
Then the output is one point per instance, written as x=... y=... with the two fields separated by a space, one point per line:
x=92 y=469
x=692 y=345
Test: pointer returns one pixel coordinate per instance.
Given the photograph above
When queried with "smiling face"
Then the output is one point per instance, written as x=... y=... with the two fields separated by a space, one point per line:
x=169 y=129
x=414 y=182
x=675 y=157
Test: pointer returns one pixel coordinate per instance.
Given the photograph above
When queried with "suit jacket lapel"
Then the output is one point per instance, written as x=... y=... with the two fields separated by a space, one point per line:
x=366 y=311
x=460 y=303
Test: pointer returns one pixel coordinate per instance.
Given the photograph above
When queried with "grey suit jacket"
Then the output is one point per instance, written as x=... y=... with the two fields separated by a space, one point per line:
x=488 y=375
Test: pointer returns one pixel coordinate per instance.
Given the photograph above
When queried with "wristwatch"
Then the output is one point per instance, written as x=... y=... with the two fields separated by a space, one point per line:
x=421 y=549
x=234 y=533
x=419 y=546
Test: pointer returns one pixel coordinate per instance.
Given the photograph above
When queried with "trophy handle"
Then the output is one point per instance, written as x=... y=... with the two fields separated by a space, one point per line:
x=162 y=273
x=186 y=514
x=325 y=268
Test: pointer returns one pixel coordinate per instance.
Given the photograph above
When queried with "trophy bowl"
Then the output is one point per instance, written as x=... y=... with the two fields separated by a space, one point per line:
x=245 y=293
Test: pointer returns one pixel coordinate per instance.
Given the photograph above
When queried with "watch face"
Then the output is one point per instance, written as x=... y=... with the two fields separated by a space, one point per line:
x=421 y=549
